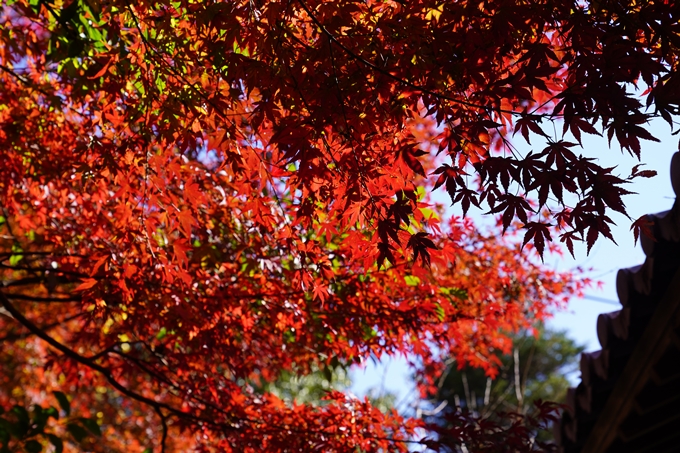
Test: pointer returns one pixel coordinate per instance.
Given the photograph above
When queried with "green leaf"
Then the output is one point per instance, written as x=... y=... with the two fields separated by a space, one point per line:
x=23 y=421
x=52 y=412
x=63 y=402
x=57 y=442
x=455 y=292
x=14 y=259
x=39 y=419
x=440 y=312
x=33 y=446
x=161 y=333
x=91 y=425
x=411 y=280
x=4 y=432
x=35 y=5
x=148 y=450
x=77 y=431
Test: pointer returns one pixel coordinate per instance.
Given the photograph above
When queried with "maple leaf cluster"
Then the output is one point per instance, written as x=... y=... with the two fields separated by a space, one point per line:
x=199 y=195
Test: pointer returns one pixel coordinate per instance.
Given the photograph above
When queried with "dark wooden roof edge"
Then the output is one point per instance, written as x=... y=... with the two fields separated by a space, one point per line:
x=632 y=338
x=650 y=347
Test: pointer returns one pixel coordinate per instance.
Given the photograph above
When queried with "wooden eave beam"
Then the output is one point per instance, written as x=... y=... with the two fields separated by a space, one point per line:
x=654 y=396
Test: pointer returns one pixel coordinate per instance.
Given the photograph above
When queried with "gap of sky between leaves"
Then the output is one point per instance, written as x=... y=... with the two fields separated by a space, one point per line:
x=605 y=259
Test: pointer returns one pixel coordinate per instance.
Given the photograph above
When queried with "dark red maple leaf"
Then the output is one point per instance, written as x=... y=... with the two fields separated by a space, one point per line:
x=420 y=243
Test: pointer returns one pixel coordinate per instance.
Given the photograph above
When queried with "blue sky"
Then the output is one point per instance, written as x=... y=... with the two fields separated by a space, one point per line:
x=606 y=258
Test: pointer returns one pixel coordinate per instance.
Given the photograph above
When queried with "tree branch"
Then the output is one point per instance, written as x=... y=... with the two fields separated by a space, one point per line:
x=46 y=300
x=20 y=336
x=68 y=352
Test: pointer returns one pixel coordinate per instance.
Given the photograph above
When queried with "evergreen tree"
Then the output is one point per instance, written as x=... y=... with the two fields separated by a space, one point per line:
x=536 y=369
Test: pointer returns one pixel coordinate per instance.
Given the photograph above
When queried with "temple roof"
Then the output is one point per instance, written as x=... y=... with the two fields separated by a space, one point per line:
x=628 y=399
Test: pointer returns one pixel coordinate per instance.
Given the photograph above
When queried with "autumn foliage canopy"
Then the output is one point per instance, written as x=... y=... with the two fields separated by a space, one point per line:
x=198 y=195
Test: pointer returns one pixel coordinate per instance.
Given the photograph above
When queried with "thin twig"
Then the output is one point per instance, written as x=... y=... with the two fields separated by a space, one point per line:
x=20 y=336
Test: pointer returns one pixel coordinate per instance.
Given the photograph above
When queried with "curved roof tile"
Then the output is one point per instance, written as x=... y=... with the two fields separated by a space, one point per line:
x=628 y=399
